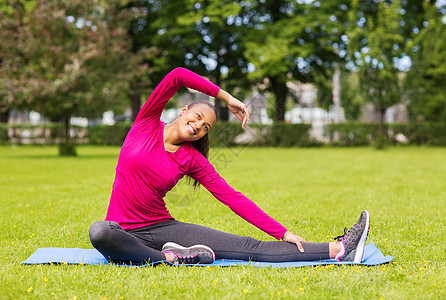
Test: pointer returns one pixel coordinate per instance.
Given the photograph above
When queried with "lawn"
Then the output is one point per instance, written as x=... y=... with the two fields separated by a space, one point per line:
x=48 y=201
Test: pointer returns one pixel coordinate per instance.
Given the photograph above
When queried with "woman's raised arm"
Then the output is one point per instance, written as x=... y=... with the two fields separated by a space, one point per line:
x=169 y=86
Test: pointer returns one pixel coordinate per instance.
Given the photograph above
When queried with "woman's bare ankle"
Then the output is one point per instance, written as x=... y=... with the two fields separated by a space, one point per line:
x=170 y=257
x=334 y=249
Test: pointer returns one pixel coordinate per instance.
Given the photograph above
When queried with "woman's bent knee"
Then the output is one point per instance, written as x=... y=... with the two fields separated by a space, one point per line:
x=99 y=232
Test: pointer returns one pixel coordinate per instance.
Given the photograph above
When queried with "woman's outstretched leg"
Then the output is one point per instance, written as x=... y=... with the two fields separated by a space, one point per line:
x=119 y=246
x=349 y=247
x=229 y=246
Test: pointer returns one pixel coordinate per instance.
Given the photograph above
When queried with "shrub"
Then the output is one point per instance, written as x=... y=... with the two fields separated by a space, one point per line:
x=67 y=149
x=360 y=134
x=113 y=135
x=352 y=133
x=224 y=133
x=47 y=133
x=429 y=133
x=286 y=135
x=4 y=139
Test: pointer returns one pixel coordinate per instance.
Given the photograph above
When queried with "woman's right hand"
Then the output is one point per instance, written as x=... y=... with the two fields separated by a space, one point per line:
x=295 y=239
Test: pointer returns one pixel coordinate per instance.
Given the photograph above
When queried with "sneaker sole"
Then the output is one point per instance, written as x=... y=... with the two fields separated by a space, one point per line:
x=360 y=248
x=176 y=246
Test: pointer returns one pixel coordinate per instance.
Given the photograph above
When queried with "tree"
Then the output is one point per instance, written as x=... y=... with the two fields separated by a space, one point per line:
x=352 y=98
x=63 y=58
x=162 y=52
x=374 y=47
x=425 y=82
x=293 y=40
x=11 y=17
x=283 y=40
x=218 y=50
x=203 y=36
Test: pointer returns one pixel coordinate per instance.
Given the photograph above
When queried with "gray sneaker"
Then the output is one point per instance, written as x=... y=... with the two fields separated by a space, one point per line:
x=189 y=255
x=353 y=241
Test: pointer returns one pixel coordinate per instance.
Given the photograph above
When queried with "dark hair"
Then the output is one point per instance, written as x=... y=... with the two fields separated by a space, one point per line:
x=202 y=145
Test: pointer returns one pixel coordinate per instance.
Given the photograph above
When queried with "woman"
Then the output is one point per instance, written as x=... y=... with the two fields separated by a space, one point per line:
x=138 y=227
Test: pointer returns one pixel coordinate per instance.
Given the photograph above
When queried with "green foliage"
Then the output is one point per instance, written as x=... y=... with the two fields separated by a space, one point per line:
x=374 y=48
x=364 y=134
x=352 y=133
x=293 y=40
x=279 y=134
x=423 y=133
x=201 y=36
x=324 y=86
x=289 y=30
x=378 y=74
x=4 y=139
x=425 y=82
x=224 y=133
x=108 y=134
x=65 y=58
x=48 y=133
x=381 y=142
x=352 y=98
x=67 y=149
x=62 y=64
x=286 y=135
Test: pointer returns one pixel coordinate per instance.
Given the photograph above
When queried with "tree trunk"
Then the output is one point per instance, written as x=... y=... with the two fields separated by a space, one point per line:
x=381 y=138
x=280 y=92
x=135 y=104
x=4 y=116
x=222 y=109
x=66 y=147
x=66 y=129
x=382 y=114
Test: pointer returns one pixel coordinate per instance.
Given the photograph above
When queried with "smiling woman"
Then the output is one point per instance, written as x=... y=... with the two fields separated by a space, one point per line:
x=197 y=124
x=194 y=122
x=138 y=227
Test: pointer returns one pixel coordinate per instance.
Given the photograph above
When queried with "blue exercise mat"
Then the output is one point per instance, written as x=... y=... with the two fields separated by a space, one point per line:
x=372 y=256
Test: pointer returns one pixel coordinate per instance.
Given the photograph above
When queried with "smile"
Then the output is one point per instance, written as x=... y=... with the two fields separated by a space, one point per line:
x=190 y=129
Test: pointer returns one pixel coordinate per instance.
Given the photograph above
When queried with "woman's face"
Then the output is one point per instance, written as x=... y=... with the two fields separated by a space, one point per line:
x=194 y=122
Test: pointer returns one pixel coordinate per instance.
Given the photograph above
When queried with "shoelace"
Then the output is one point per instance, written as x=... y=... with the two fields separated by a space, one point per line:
x=339 y=238
x=187 y=259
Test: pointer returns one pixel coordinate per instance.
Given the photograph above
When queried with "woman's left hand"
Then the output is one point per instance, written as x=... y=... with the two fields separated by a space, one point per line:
x=295 y=239
x=239 y=109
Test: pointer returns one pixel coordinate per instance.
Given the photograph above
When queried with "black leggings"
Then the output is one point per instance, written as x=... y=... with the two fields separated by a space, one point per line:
x=143 y=245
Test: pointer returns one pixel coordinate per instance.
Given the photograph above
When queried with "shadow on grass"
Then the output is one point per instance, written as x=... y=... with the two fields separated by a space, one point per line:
x=44 y=152
x=57 y=157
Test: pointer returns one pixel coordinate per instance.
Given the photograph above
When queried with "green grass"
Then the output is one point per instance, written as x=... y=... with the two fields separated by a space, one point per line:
x=48 y=201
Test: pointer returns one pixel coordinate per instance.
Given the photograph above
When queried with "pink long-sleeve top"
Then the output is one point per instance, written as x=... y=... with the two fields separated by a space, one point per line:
x=146 y=171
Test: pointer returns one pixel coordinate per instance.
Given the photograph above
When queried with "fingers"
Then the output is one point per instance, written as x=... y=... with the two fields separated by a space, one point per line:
x=302 y=240
x=246 y=117
x=246 y=112
x=240 y=110
x=244 y=122
x=292 y=238
x=239 y=116
x=299 y=246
